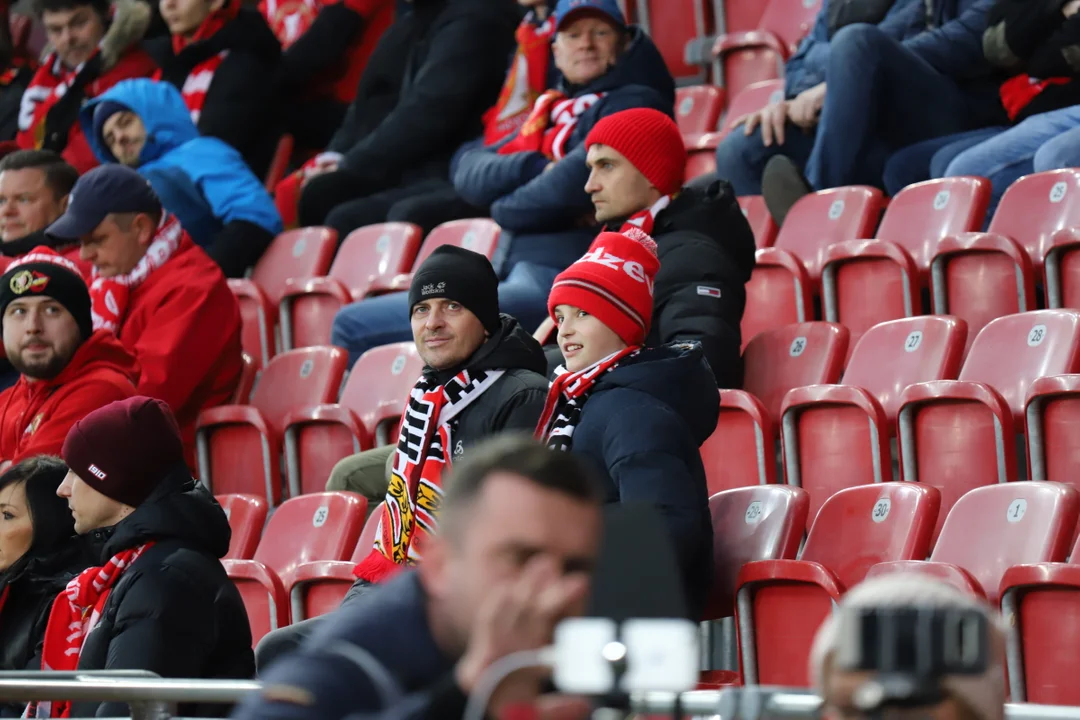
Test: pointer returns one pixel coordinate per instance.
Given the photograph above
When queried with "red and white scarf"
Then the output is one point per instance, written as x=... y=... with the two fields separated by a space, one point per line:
x=525 y=82
x=424 y=452
x=567 y=396
x=550 y=124
x=109 y=297
x=646 y=219
x=197 y=84
x=75 y=613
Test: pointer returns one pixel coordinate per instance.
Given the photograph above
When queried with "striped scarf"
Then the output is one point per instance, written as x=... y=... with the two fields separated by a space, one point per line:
x=567 y=396
x=550 y=124
x=197 y=84
x=646 y=219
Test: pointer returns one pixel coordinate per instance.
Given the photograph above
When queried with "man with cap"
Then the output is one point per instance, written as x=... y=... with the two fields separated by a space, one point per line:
x=532 y=183
x=638 y=414
x=160 y=599
x=165 y=299
x=483 y=374
x=637 y=161
x=66 y=368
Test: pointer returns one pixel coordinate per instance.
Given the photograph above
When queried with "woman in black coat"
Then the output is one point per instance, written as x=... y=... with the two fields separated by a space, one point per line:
x=39 y=554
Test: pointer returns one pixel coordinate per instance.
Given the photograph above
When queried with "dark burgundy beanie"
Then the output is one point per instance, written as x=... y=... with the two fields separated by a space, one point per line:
x=123 y=450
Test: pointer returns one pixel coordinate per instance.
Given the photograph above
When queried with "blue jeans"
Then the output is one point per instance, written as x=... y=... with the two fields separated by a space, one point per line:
x=740 y=158
x=384 y=319
x=929 y=158
x=1061 y=152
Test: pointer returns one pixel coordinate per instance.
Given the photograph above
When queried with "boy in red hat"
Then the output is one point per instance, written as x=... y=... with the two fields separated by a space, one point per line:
x=640 y=414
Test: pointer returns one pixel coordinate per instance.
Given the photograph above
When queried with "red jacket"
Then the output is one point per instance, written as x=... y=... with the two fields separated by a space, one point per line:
x=183 y=326
x=35 y=416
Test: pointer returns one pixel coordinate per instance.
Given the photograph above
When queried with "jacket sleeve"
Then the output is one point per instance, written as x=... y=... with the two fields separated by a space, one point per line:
x=240 y=98
x=806 y=68
x=1017 y=28
x=521 y=412
x=1058 y=56
x=324 y=43
x=451 y=87
x=50 y=435
x=955 y=48
x=482 y=176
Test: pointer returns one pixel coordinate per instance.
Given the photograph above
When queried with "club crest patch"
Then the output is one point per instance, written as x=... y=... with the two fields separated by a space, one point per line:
x=28 y=281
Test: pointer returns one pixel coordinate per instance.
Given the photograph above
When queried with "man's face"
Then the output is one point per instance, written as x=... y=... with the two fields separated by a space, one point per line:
x=183 y=17
x=125 y=135
x=116 y=246
x=74 y=33
x=617 y=189
x=840 y=688
x=40 y=336
x=445 y=333
x=585 y=48
x=511 y=521
x=27 y=203
x=91 y=509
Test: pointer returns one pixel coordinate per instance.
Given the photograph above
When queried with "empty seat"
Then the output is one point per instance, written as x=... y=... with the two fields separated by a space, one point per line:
x=376 y=253
x=1052 y=419
x=700 y=162
x=239 y=446
x=263 y=594
x=836 y=436
x=672 y=24
x=761 y=222
x=697 y=108
x=247 y=516
x=766 y=522
x=1035 y=209
x=740 y=452
x=479 y=235
x=780 y=603
x=249 y=373
x=319 y=587
x=960 y=434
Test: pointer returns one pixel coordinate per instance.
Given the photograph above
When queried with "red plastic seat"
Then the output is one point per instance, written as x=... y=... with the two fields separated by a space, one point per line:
x=294 y=254
x=263 y=594
x=239 y=446
x=480 y=235
x=793 y=356
x=672 y=24
x=837 y=436
x=319 y=587
x=780 y=603
x=700 y=162
x=752 y=523
x=779 y=293
x=992 y=528
x=761 y=222
x=1035 y=208
x=750 y=99
x=697 y=108
x=247 y=516
x=249 y=373
x=1052 y=417
x=865 y=282
x=376 y=253
x=959 y=434
x=740 y=452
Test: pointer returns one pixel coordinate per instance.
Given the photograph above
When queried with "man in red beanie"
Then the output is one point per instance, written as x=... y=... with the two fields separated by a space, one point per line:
x=639 y=414
x=160 y=599
x=637 y=161
x=66 y=368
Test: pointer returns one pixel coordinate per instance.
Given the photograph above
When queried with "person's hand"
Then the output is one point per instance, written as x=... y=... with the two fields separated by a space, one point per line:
x=772 y=119
x=1070 y=8
x=805 y=109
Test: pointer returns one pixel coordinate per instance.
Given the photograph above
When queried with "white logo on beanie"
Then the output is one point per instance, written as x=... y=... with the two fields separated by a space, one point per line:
x=433 y=288
x=97 y=472
x=632 y=268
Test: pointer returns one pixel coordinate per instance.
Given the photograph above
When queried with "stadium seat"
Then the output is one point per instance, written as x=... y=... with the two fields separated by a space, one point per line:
x=697 y=108
x=761 y=222
x=247 y=516
x=729 y=462
x=752 y=523
x=750 y=99
x=319 y=587
x=249 y=373
x=780 y=603
x=1051 y=419
x=479 y=235
x=837 y=436
x=672 y=24
x=700 y=162
x=864 y=282
x=239 y=446
x=369 y=254
x=960 y=434
x=792 y=356
x=992 y=528
x=1035 y=208
x=295 y=254
x=1041 y=604
x=263 y=594
x=778 y=294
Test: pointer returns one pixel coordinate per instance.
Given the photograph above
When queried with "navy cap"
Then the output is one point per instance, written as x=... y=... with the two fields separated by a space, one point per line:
x=608 y=8
x=104 y=190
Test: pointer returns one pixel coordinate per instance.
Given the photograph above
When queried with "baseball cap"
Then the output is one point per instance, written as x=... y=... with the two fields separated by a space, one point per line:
x=608 y=8
x=104 y=190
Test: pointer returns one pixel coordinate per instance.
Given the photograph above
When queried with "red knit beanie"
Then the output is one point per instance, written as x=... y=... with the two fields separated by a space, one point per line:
x=614 y=282
x=650 y=140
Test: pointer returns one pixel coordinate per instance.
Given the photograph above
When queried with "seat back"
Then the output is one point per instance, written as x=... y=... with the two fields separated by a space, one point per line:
x=761 y=222
x=898 y=353
x=994 y=527
x=792 y=356
x=379 y=384
x=1035 y=207
x=861 y=526
x=297 y=378
x=249 y=372
x=819 y=219
x=750 y=99
x=319 y=526
x=672 y=24
x=294 y=254
x=367 y=538
x=697 y=108
x=377 y=251
x=765 y=522
x=247 y=516
x=479 y=235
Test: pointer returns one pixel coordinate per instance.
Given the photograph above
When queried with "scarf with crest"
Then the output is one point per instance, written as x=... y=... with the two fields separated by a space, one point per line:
x=424 y=449
x=567 y=396
x=75 y=613
x=109 y=297
x=525 y=82
x=548 y=128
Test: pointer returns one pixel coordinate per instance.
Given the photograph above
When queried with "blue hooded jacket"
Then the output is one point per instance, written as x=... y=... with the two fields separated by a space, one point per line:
x=201 y=180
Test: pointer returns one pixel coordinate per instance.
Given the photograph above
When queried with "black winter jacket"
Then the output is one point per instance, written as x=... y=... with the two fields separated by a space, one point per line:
x=240 y=106
x=173 y=611
x=641 y=427
x=706 y=250
x=430 y=78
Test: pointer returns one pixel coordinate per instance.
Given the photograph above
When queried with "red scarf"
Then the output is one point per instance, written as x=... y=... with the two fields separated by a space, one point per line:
x=525 y=82
x=49 y=84
x=550 y=124
x=646 y=219
x=109 y=297
x=75 y=613
x=1018 y=92
x=197 y=83
x=210 y=26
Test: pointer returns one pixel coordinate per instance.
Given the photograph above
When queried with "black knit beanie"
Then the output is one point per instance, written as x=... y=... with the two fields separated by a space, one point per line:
x=463 y=276
x=44 y=273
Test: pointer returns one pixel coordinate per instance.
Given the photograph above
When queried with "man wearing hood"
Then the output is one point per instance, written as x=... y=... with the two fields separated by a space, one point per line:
x=224 y=60
x=483 y=375
x=160 y=599
x=203 y=181
x=66 y=368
